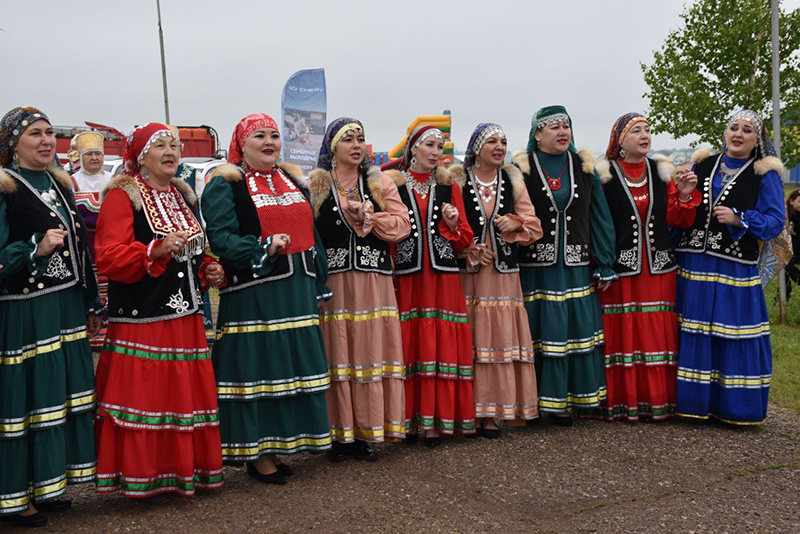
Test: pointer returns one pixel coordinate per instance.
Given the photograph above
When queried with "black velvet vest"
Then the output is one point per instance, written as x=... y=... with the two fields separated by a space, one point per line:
x=408 y=253
x=482 y=223
x=544 y=252
x=29 y=218
x=345 y=249
x=176 y=293
x=632 y=232
x=709 y=236
x=249 y=224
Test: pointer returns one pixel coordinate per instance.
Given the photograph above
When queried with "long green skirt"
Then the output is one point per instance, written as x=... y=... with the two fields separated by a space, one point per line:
x=46 y=399
x=271 y=369
x=567 y=330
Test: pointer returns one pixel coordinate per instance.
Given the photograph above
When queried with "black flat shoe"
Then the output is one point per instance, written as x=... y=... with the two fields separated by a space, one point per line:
x=432 y=443
x=31 y=521
x=156 y=500
x=533 y=422
x=362 y=451
x=284 y=469
x=563 y=421
x=337 y=453
x=56 y=505
x=475 y=435
x=490 y=433
x=410 y=439
x=272 y=478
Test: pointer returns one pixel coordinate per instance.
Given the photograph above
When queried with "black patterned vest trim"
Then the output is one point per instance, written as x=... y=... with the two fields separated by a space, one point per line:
x=482 y=223
x=176 y=293
x=408 y=257
x=249 y=224
x=709 y=236
x=544 y=252
x=632 y=233
x=29 y=218
x=341 y=242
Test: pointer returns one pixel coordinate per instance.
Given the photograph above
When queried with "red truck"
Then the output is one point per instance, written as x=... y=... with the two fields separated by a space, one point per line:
x=198 y=141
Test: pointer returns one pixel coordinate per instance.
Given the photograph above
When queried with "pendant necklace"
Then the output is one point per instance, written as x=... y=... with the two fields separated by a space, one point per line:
x=351 y=193
x=555 y=181
x=487 y=191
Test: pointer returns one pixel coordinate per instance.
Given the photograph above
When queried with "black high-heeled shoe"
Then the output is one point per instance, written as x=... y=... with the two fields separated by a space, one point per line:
x=56 y=505
x=272 y=478
x=362 y=451
x=284 y=469
x=30 y=521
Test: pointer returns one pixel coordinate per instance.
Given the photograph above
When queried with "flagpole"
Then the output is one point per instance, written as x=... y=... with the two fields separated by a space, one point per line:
x=163 y=62
x=776 y=131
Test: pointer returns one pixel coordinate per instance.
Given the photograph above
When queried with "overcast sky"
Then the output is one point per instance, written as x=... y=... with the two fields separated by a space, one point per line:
x=386 y=62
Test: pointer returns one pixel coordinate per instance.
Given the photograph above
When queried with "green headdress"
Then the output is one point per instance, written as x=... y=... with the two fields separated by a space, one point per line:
x=542 y=118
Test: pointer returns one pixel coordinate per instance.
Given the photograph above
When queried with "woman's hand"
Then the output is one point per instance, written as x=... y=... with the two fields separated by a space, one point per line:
x=356 y=209
x=52 y=239
x=172 y=244
x=279 y=242
x=450 y=215
x=93 y=323
x=215 y=274
x=504 y=223
x=602 y=286
x=726 y=215
x=686 y=182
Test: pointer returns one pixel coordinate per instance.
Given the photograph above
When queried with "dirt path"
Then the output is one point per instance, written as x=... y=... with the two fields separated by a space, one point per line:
x=594 y=477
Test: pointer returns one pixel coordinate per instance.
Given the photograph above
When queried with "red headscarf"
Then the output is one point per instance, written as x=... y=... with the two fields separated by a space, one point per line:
x=404 y=162
x=139 y=143
x=243 y=130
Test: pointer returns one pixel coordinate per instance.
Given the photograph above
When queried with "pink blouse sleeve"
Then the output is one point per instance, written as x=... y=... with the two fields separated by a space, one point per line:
x=531 y=228
x=392 y=224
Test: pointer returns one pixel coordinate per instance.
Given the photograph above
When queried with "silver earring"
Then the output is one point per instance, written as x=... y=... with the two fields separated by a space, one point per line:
x=143 y=172
x=478 y=163
x=622 y=152
x=414 y=163
x=15 y=162
x=333 y=163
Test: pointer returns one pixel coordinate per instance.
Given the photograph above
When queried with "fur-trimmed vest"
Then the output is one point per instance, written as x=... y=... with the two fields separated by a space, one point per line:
x=28 y=218
x=511 y=183
x=635 y=237
x=249 y=224
x=545 y=251
x=709 y=236
x=345 y=249
x=408 y=253
x=176 y=293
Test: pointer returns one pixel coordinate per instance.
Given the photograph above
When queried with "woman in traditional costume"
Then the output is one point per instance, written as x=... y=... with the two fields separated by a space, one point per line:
x=639 y=319
x=90 y=181
x=269 y=357
x=437 y=344
x=725 y=361
x=557 y=281
x=158 y=423
x=48 y=294
x=499 y=211
x=358 y=213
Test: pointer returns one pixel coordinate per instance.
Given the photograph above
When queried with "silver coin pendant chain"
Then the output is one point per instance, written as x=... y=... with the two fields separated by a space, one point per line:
x=422 y=188
x=487 y=190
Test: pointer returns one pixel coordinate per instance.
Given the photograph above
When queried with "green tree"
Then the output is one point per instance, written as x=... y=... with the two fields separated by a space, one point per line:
x=720 y=61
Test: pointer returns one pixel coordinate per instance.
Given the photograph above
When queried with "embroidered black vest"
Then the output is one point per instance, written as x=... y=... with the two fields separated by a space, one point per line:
x=176 y=293
x=408 y=253
x=249 y=224
x=482 y=223
x=29 y=218
x=345 y=249
x=633 y=235
x=709 y=236
x=544 y=252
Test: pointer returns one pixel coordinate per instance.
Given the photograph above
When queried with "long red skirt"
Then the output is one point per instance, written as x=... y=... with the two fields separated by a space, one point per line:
x=157 y=428
x=641 y=350
x=437 y=352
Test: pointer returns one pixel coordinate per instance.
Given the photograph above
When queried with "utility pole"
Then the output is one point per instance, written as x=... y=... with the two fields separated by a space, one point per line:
x=776 y=131
x=163 y=62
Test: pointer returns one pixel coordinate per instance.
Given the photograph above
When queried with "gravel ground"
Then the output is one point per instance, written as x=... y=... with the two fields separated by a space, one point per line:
x=673 y=476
